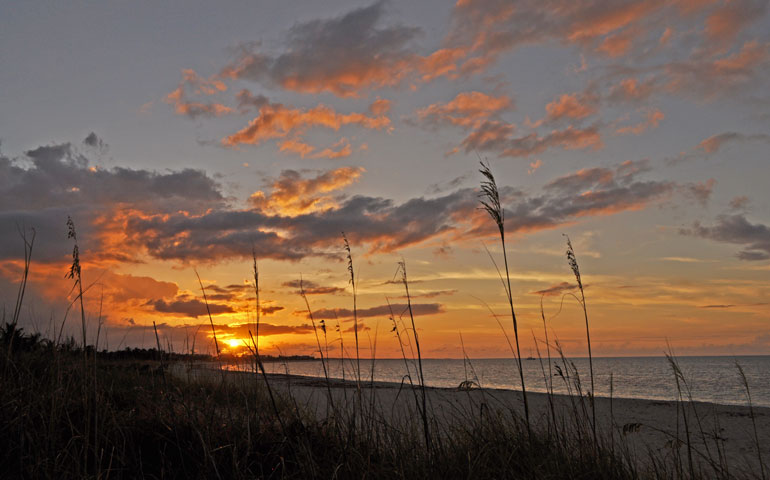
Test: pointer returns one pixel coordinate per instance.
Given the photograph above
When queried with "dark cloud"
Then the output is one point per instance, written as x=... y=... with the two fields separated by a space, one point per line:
x=361 y=328
x=740 y=202
x=41 y=188
x=342 y=55
x=201 y=332
x=265 y=329
x=555 y=290
x=730 y=305
x=92 y=140
x=431 y=294
x=453 y=184
x=736 y=229
x=381 y=310
x=60 y=176
x=248 y=101
x=312 y=288
x=709 y=77
x=715 y=143
x=270 y=309
x=182 y=216
x=595 y=191
x=701 y=191
x=383 y=226
x=232 y=233
x=500 y=138
x=189 y=307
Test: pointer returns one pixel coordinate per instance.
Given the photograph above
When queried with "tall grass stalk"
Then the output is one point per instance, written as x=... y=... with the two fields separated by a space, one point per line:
x=352 y=274
x=211 y=319
x=74 y=273
x=424 y=410
x=28 y=244
x=679 y=378
x=213 y=329
x=549 y=384
x=256 y=298
x=318 y=342
x=408 y=375
x=572 y=260
x=12 y=327
x=255 y=343
x=490 y=201
x=745 y=383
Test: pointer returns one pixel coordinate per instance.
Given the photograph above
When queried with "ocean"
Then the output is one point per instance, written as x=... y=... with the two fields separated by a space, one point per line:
x=710 y=379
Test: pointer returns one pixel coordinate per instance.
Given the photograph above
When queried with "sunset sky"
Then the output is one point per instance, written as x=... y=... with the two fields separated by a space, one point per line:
x=180 y=135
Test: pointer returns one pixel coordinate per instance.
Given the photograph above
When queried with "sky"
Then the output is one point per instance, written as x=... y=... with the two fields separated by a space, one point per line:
x=183 y=138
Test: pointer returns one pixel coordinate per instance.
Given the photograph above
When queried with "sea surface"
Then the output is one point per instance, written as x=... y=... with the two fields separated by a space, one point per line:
x=707 y=379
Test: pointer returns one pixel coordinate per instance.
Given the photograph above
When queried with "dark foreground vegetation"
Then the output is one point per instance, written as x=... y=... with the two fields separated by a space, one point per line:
x=120 y=419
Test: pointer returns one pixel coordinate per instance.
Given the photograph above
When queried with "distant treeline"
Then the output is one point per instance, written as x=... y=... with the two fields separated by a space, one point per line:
x=17 y=339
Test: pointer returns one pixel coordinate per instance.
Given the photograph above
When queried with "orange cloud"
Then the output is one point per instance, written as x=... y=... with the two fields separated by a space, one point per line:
x=654 y=117
x=344 y=55
x=291 y=194
x=727 y=21
x=570 y=138
x=750 y=55
x=350 y=79
x=467 y=109
x=534 y=166
x=692 y=6
x=716 y=142
x=665 y=37
x=195 y=109
x=618 y=44
x=610 y=18
x=631 y=90
x=278 y=121
x=712 y=144
x=206 y=86
x=200 y=86
x=296 y=146
x=442 y=62
x=573 y=105
x=701 y=191
x=555 y=290
x=380 y=106
x=341 y=149
x=490 y=135
x=726 y=74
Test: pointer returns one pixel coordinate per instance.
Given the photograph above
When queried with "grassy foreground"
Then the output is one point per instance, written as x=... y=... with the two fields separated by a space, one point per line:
x=128 y=419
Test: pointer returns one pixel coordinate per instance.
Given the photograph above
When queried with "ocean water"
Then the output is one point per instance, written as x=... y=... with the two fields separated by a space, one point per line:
x=710 y=379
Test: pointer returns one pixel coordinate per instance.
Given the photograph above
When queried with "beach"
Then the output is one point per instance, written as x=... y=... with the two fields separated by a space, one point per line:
x=643 y=429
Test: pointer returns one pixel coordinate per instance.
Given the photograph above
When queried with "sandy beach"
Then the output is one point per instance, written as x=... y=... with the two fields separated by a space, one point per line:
x=645 y=428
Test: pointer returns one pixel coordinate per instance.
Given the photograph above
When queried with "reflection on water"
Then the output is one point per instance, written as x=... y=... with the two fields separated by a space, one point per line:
x=711 y=379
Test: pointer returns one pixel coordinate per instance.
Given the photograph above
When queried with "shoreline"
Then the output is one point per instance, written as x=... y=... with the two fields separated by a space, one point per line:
x=536 y=388
x=320 y=382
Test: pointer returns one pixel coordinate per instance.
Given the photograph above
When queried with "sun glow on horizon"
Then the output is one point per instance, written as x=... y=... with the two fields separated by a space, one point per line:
x=236 y=342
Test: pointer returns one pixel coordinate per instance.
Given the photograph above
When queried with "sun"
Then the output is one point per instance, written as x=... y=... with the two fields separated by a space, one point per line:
x=234 y=342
